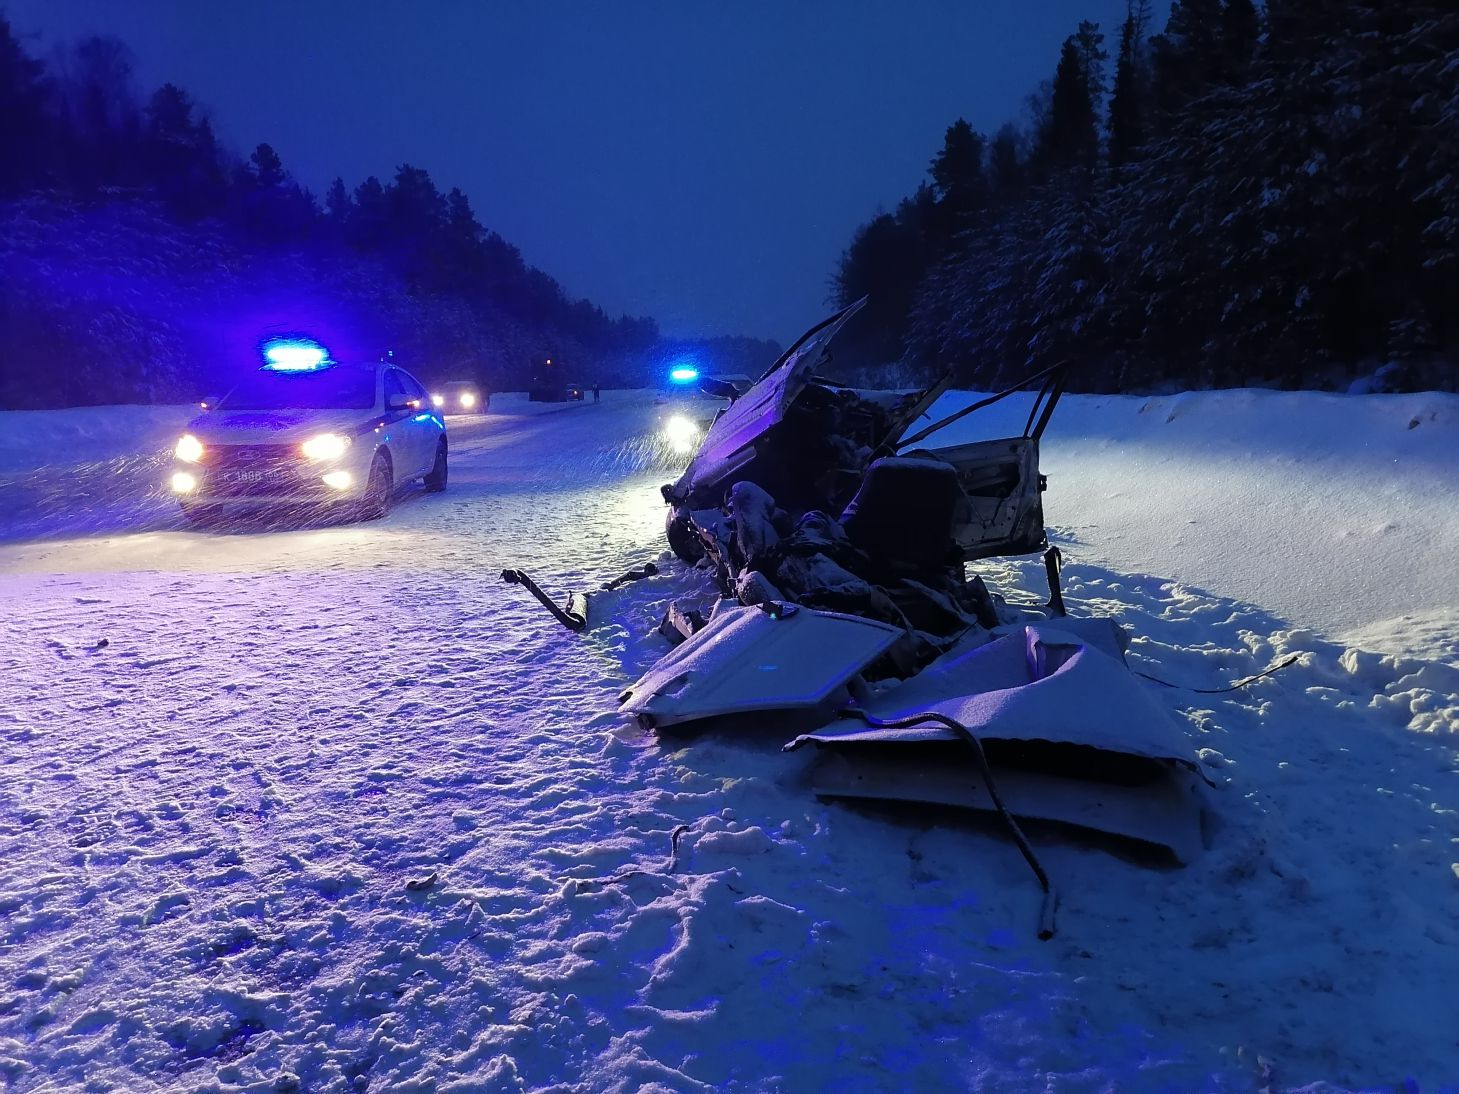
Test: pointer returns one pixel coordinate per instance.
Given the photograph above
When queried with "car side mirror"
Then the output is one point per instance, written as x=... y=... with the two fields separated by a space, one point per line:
x=400 y=402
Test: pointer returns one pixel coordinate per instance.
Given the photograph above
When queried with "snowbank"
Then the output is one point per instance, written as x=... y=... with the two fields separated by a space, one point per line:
x=1336 y=513
x=30 y=439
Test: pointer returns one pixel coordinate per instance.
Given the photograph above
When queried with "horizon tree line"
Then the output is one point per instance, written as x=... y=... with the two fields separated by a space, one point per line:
x=1249 y=196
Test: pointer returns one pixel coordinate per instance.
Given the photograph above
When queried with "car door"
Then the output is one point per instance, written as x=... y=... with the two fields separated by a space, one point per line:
x=425 y=425
x=1001 y=511
x=404 y=440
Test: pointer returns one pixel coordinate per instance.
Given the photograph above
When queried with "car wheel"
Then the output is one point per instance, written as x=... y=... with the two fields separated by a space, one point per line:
x=682 y=538
x=379 y=489
x=435 y=480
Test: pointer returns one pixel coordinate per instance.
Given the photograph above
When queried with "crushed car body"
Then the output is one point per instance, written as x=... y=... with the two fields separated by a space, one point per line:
x=804 y=490
x=844 y=617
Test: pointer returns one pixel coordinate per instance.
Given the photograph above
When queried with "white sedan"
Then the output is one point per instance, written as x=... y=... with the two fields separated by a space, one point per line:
x=311 y=434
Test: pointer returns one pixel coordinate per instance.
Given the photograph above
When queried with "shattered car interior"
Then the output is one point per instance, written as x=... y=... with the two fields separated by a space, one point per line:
x=846 y=620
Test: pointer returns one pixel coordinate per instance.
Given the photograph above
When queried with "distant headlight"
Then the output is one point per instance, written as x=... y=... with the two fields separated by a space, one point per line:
x=468 y=400
x=681 y=433
x=438 y=400
x=189 y=449
x=326 y=446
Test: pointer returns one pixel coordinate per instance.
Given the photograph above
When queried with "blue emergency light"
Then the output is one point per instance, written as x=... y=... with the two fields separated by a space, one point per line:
x=295 y=355
x=684 y=374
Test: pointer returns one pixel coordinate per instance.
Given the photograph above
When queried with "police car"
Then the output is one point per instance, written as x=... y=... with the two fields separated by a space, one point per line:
x=305 y=430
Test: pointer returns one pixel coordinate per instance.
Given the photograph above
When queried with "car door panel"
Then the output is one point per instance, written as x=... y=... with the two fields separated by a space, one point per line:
x=425 y=425
x=404 y=438
x=1001 y=511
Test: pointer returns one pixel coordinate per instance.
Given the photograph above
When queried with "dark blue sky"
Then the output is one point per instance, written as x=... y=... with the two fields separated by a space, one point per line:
x=704 y=163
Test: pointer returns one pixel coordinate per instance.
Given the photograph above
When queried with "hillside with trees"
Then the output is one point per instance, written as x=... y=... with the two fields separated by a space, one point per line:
x=139 y=259
x=1249 y=196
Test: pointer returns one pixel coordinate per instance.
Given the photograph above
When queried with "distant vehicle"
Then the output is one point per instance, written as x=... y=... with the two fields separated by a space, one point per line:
x=555 y=392
x=548 y=385
x=461 y=397
x=307 y=431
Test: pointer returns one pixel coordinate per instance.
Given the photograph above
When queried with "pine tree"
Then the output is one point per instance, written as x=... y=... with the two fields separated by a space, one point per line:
x=416 y=218
x=1189 y=55
x=1068 y=286
x=180 y=155
x=208 y=176
x=1089 y=41
x=1069 y=138
x=975 y=312
x=25 y=154
x=271 y=206
x=958 y=178
x=1240 y=29
x=416 y=206
x=337 y=203
x=268 y=169
x=1005 y=164
x=1127 y=106
x=100 y=117
x=462 y=259
x=886 y=262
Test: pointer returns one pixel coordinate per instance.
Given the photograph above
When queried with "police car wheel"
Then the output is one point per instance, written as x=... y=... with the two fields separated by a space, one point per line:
x=379 y=489
x=435 y=480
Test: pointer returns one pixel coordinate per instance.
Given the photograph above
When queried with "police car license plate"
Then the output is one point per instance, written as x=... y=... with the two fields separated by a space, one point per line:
x=249 y=476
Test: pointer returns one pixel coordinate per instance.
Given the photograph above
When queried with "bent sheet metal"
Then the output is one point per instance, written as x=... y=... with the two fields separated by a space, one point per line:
x=1071 y=734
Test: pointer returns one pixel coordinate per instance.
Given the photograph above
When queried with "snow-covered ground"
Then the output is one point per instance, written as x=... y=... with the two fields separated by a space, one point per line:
x=332 y=808
x=1338 y=513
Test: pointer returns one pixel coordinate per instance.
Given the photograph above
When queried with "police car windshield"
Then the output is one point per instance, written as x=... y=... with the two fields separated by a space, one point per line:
x=338 y=388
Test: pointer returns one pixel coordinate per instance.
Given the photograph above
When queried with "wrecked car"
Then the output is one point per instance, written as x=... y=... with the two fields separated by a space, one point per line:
x=837 y=535
x=807 y=490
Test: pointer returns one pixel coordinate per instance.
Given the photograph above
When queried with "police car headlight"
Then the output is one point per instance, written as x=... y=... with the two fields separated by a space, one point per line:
x=326 y=446
x=681 y=433
x=189 y=449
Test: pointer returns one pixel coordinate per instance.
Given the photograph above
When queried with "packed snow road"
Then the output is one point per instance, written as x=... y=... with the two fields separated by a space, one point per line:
x=332 y=808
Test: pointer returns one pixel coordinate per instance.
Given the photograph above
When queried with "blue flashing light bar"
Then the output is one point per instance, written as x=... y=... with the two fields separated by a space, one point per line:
x=295 y=355
x=684 y=374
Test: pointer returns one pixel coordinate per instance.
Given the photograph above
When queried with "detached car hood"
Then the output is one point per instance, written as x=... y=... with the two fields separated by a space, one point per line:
x=225 y=426
x=795 y=429
x=730 y=442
